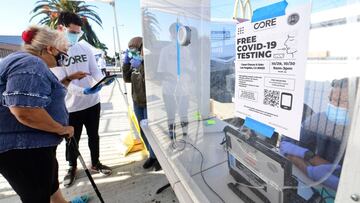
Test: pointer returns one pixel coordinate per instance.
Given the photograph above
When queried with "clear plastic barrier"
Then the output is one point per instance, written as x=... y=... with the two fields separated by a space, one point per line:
x=176 y=47
x=190 y=78
x=331 y=86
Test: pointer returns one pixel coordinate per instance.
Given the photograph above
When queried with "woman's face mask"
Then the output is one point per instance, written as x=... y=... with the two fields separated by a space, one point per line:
x=60 y=58
x=338 y=115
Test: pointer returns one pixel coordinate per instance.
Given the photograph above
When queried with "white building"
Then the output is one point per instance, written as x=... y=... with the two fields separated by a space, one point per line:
x=9 y=44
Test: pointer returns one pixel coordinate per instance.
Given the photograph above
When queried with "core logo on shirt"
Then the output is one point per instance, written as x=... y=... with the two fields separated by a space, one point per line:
x=75 y=59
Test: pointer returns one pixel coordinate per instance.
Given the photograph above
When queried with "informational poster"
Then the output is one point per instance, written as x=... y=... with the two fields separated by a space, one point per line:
x=271 y=56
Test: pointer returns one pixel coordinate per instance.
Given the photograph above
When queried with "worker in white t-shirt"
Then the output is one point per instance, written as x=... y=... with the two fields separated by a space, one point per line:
x=82 y=102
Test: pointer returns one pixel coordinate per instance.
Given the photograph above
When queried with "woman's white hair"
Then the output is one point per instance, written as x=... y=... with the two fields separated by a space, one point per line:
x=44 y=37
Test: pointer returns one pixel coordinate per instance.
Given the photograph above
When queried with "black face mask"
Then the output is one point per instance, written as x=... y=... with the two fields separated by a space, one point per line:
x=60 y=57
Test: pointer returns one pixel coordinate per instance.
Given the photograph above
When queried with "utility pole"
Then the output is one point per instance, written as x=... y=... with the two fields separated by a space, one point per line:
x=112 y=3
x=114 y=44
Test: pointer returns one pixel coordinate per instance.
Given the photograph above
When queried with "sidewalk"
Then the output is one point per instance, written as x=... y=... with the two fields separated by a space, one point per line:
x=129 y=182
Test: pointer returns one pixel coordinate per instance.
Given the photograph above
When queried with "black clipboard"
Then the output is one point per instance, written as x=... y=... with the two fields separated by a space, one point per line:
x=103 y=81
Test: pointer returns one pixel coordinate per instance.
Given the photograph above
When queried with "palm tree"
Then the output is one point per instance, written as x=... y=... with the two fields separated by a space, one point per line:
x=150 y=26
x=52 y=8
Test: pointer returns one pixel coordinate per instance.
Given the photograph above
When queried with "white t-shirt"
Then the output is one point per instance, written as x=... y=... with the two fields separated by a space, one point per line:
x=80 y=58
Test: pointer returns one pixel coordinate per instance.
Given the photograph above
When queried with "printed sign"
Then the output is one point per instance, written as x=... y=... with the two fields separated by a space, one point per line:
x=270 y=69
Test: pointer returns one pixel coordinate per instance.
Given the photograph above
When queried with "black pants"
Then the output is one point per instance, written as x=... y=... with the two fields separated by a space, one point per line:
x=32 y=173
x=90 y=118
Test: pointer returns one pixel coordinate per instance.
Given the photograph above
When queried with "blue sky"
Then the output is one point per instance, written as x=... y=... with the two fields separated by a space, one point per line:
x=15 y=15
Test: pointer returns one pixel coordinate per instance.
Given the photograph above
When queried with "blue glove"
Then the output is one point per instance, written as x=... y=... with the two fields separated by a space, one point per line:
x=292 y=149
x=126 y=57
x=317 y=172
x=88 y=90
x=135 y=63
x=110 y=81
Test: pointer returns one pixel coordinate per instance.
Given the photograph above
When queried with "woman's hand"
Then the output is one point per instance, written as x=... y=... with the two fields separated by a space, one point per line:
x=67 y=132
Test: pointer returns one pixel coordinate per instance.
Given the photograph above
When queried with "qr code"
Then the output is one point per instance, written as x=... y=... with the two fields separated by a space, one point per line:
x=271 y=97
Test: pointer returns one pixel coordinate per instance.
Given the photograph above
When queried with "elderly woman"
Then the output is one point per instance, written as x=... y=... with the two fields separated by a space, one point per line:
x=33 y=117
